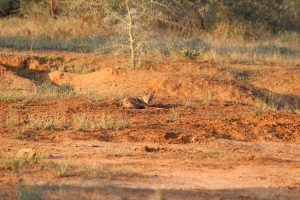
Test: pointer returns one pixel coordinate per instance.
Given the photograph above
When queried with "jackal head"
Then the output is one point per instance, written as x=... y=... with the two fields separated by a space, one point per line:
x=148 y=97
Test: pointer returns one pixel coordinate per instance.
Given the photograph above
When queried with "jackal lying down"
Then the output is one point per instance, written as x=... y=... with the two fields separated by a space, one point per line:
x=140 y=102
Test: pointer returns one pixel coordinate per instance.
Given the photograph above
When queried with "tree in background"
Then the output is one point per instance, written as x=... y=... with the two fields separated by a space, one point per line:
x=276 y=15
x=24 y=7
x=9 y=7
x=134 y=21
x=186 y=17
x=53 y=6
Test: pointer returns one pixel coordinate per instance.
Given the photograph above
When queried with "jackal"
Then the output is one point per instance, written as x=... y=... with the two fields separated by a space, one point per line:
x=141 y=102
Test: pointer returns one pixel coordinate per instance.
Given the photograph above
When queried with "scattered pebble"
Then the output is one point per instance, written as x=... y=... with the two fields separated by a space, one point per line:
x=51 y=156
x=151 y=149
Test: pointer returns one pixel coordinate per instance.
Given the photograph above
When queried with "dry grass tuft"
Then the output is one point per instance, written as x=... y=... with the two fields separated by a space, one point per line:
x=86 y=122
x=260 y=107
x=27 y=127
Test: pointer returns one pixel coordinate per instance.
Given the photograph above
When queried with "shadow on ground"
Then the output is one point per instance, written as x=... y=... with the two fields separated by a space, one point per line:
x=119 y=192
x=36 y=76
x=276 y=100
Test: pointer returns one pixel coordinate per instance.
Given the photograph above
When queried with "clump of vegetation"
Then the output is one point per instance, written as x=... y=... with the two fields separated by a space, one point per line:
x=93 y=96
x=50 y=90
x=210 y=152
x=208 y=97
x=170 y=119
x=29 y=193
x=189 y=104
x=56 y=122
x=261 y=107
x=103 y=122
x=26 y=128
x=63 y=169
x=15 y=96
x=17 y=163
x=44 y=90
x=159 y=195
x=242 y=75
x=13 y=119
x=264 y=32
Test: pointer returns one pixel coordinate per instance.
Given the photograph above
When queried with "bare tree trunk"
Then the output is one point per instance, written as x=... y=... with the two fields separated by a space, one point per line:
x=52 y=8
x=131 y=35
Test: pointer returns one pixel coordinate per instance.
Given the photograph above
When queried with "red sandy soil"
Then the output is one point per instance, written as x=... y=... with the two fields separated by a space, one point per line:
x=199 y=140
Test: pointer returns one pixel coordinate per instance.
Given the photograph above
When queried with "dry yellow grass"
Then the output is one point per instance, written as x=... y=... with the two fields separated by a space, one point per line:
x=223 y=45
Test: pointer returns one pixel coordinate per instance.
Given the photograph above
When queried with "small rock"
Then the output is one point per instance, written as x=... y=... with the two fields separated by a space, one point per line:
x=51 y=156
x=94 y=146
x=151 y=149
x=28 y=154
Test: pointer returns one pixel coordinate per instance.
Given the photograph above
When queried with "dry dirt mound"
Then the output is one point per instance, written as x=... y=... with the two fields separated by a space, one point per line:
x=9 y=81
x=133 y=82
x=279 y=80
x=15 y=62
x=182 y=79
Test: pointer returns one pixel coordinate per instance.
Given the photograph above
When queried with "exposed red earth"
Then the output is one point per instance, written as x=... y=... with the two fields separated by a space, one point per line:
x=207 y=135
